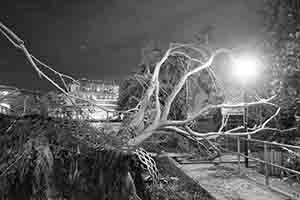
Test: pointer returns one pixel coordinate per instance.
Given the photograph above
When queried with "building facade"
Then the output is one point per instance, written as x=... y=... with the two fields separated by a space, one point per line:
x=4 y=108
x=91 y=96
x=7 y=97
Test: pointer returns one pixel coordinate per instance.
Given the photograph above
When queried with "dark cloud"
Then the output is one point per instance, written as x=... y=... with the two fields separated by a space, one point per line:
x=103 y=39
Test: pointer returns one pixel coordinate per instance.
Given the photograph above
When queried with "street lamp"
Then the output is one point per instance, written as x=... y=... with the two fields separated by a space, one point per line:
x=245 y=70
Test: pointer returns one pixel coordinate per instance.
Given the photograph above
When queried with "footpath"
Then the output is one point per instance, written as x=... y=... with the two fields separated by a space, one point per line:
x=226 y=182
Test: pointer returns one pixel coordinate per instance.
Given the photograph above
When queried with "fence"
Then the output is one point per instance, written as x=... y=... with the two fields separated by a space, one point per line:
x=272 y=155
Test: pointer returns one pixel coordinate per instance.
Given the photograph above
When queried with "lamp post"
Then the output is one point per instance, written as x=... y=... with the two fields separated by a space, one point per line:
x=245 y=70
x=245 y=124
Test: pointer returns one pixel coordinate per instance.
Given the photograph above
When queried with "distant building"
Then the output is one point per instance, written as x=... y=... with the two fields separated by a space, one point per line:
x=98 y=93
x=7 y=98
x=101 y=93
x=57 y=104
x=4 y=108
x=15 y=101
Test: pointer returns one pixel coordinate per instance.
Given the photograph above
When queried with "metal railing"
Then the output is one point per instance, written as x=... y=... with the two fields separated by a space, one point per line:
x=266 y=156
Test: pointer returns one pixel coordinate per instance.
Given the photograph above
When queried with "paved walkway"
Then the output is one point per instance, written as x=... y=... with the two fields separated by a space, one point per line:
x=225 y=182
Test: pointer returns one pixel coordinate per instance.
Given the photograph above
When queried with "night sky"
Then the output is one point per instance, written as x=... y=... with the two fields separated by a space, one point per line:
x=102 y=39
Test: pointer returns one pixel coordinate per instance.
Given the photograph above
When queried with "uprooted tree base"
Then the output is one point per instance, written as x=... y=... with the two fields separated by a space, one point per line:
x=45 y=157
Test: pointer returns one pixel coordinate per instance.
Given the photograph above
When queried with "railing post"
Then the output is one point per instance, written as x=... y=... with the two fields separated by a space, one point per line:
x=239 y=152
x=266 y=159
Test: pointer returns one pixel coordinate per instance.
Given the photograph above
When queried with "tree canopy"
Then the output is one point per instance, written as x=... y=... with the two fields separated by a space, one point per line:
x=282 y=37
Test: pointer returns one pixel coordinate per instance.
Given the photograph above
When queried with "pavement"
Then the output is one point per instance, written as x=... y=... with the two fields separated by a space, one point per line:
x=225 y=181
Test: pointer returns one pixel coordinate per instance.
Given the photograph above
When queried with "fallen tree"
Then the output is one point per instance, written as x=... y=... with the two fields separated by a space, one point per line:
x=160 y=119
x=197 y=58
x=151 y=115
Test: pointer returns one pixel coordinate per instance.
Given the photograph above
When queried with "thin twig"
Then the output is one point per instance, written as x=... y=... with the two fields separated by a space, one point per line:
x=12 y=164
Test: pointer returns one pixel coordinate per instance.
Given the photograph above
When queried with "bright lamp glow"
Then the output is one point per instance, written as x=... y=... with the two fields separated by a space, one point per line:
x=245 y=68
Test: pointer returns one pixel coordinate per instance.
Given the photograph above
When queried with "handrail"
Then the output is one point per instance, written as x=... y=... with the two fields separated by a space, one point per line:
x=271 y=143
x=268 y=163
x=266 y=159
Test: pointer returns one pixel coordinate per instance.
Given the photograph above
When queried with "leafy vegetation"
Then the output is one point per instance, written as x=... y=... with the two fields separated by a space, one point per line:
x=282 y=31
x=133 y=89
x=45 y=157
